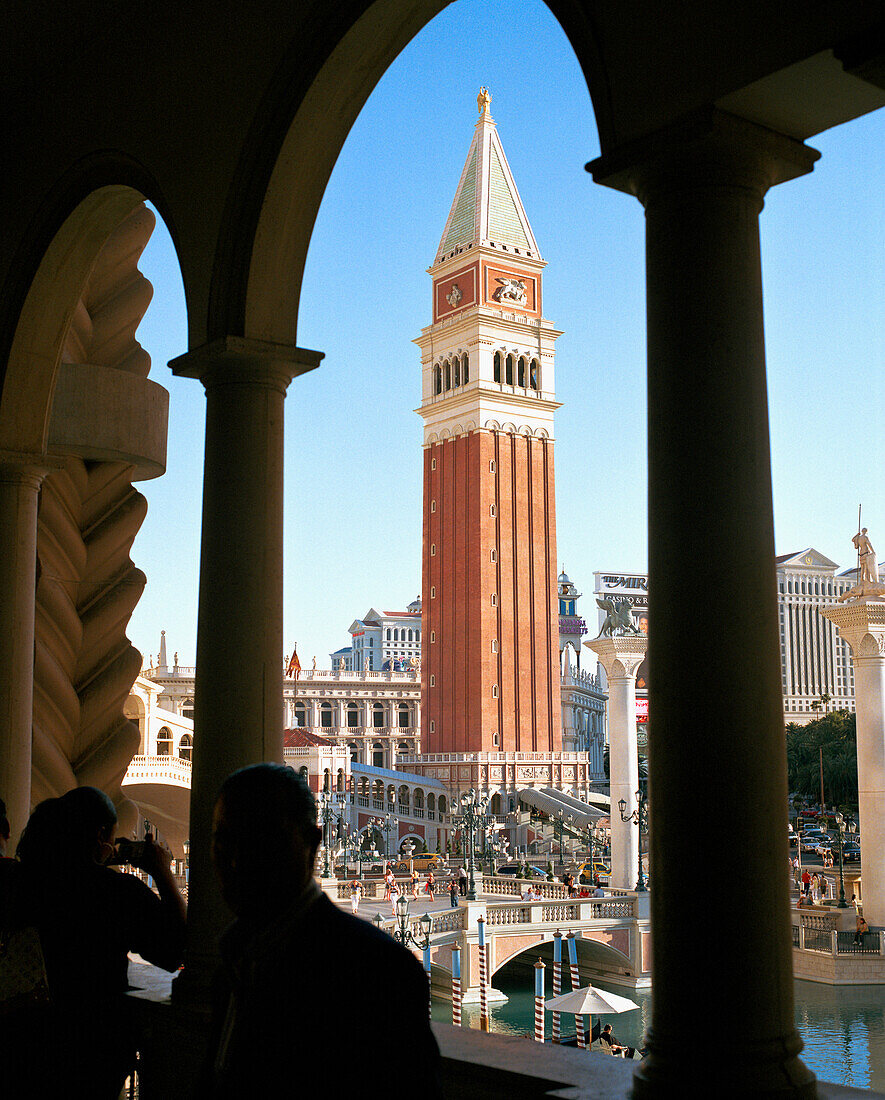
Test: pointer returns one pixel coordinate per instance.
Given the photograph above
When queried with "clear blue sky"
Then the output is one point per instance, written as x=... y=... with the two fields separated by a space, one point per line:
x=353 y=444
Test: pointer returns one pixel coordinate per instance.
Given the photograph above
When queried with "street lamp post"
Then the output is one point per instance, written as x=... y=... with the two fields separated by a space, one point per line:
x=472 y=807
x=402 y=930
x=841 y=825
x=639 y=817
x=327 y=816
x=384 y=824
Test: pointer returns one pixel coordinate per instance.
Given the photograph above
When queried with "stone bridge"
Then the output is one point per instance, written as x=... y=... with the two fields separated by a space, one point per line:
x=613 y=934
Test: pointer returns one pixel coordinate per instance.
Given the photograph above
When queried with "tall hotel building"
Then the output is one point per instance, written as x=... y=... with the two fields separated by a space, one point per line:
x=491 y=714
x=815 y=660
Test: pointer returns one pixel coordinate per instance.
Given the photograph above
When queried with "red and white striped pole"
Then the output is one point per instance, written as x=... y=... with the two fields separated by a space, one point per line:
x=483 y=977
x=557 y=980
x=576 y=984
x=456 y=986
x=539 y=1002
x=427 y=972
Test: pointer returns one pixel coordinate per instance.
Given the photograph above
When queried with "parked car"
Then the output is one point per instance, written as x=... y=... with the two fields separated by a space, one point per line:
x=515 y=869
x=420 y=863
x=811 y=843
x=586 y=872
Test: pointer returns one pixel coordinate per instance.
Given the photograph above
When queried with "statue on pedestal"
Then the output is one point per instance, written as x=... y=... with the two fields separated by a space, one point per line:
x=868 y=583
x=618 y=619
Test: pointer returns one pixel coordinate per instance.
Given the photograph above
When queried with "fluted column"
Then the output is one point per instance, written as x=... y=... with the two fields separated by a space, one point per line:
x=20 y=480
x=238 y=714
x=716 y=752
x=621 y=658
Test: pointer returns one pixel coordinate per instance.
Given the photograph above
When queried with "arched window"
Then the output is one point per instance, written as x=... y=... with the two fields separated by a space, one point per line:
x=353 y=715
x=465 y=369
x=448 y=371
x=164 y=742
x=442 y=804
x=326 y=715
x=411 y=638
x=388 y=634
x=535 y=375
x=396 y=635
x=404 y=797
x=327 y=779
x=437 y=379
x=456 y=366
x=185 y=746
x=302 y=771
x=300 y=715
x=418 y=799
x=187 y=708
x=340 y=780
x=403 y=716
x=508 y=378
x=520 y=372
x=377 y=715
x=497 y=374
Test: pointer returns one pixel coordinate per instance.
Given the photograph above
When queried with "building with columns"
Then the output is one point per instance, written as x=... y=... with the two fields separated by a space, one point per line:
x=232 y=128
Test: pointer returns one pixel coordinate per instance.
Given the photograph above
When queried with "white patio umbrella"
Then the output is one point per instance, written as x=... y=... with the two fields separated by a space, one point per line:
x=587 y=1001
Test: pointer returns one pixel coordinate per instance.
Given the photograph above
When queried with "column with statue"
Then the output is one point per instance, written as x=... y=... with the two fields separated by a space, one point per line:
x=621 y=649
x=860 y=617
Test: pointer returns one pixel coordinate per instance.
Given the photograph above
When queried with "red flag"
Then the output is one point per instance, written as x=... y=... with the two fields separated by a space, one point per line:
x=294 y=664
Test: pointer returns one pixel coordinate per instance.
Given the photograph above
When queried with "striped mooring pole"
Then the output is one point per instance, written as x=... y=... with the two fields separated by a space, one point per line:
x=483 y=977
x=427 y=972
x=539 y=1001
x=573 y=967
x=557 y=980
x=456 y=986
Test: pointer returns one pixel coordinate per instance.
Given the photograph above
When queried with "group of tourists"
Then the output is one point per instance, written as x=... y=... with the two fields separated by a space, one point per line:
x=69 y=920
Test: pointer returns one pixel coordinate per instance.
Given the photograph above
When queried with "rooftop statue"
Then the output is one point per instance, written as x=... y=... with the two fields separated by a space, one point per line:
x=868 y=583
x=483 y=101
x=618 y=619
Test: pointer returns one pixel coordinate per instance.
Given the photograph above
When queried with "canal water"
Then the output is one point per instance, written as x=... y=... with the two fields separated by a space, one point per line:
x=843 y=1027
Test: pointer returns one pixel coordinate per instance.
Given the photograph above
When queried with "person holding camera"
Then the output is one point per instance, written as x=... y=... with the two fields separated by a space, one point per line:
x=89 y=917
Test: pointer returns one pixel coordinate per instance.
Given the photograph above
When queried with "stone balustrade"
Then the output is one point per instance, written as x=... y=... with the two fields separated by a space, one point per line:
x=164 y=769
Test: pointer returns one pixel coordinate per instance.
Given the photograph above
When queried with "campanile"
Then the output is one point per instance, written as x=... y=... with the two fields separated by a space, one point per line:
x=490 y=653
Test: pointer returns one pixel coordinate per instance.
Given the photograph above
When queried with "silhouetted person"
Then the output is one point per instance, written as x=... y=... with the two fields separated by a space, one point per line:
x=88 y=917
x=302 y=983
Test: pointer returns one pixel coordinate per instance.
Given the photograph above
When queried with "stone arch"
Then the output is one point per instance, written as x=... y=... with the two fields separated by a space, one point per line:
x=432 y=438
x=509 y=428
x=164 y=741
x=185 y=746
x=591 y=952
x=134 y=711
x=458 y=430
x=493 y=425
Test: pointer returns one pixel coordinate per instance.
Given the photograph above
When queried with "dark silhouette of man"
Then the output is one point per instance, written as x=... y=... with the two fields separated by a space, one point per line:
x=303 y=983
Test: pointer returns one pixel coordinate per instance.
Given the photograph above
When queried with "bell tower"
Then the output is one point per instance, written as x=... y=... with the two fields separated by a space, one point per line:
x=490 y=653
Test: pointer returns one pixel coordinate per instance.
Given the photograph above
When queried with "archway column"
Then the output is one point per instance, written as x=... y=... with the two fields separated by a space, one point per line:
x=716 y=755
x=861 y=623
x=621 y=658
x=238 y=713
x=20 y=479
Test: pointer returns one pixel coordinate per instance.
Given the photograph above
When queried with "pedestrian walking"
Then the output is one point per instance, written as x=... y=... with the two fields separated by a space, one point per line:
x=356 y=892
x=428 y=885
x=806 y=882
x=394 y=894
x=414 y=878
x=389 y=882
x=453 y=893
x=462 y=881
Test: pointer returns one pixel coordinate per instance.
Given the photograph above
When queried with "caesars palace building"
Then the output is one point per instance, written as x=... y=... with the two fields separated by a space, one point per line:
x=815 y=661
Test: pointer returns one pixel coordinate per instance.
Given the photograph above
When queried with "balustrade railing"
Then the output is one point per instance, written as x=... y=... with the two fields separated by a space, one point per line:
x=849 y=943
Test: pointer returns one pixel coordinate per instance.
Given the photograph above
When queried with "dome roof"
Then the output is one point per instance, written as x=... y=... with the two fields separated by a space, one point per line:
x=415 y=605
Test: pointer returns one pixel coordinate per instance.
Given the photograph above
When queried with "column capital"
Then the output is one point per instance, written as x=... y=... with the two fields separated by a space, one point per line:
x=861 y=623
x=709 y=148
x=236 y=360
x=620 y=656
x=21 y=468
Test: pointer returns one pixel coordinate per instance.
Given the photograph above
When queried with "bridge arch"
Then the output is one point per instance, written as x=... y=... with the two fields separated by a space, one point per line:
x=600 y=956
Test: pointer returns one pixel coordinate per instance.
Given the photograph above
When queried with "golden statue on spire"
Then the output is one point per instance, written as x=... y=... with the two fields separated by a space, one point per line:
x=483 y=100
